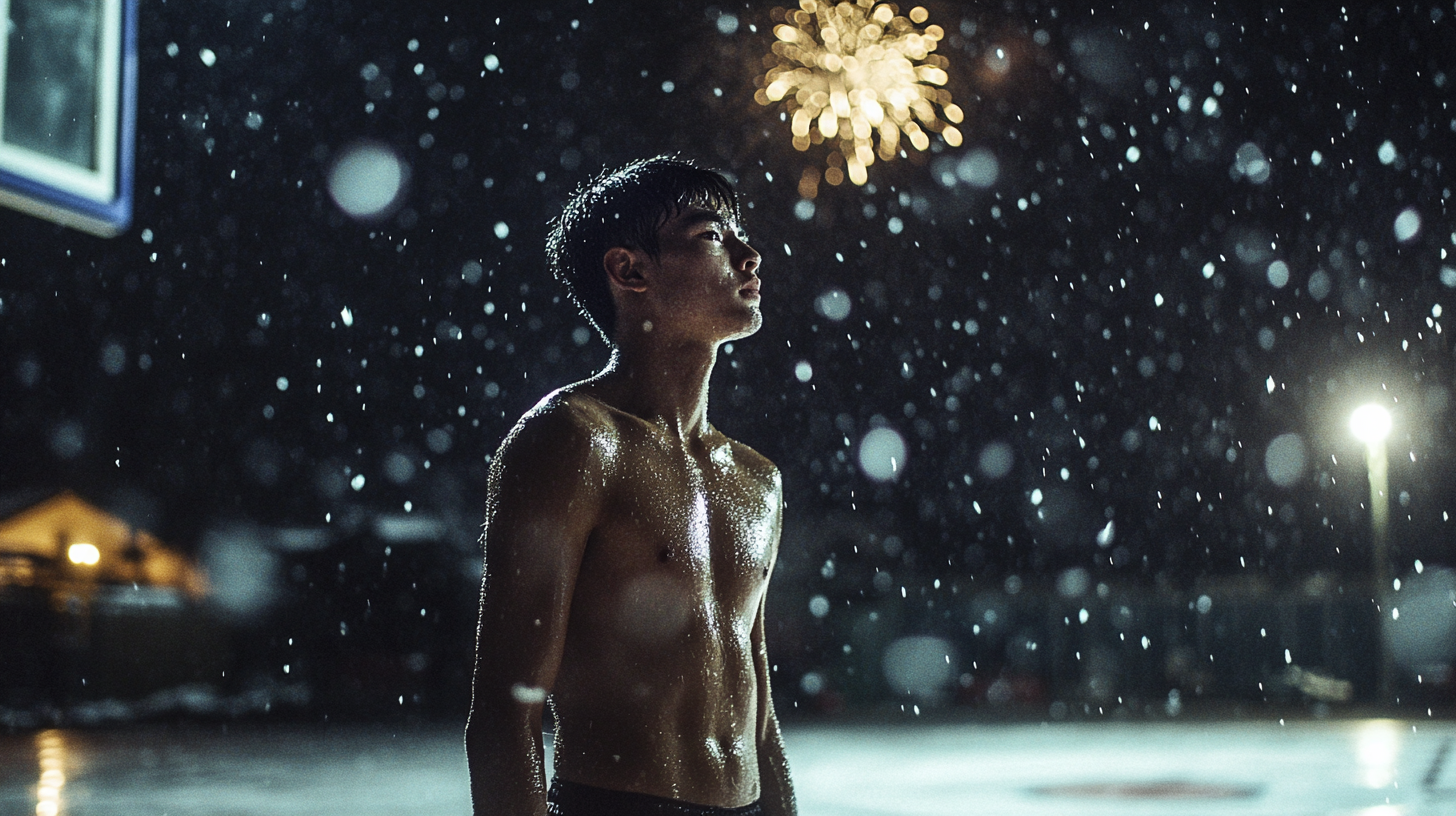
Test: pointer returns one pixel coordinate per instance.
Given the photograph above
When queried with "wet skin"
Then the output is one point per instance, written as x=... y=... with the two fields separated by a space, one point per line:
x=628 y=549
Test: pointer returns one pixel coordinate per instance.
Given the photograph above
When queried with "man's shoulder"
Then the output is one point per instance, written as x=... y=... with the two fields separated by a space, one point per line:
x=752 y=463
x=568 y=408
x=565 y=424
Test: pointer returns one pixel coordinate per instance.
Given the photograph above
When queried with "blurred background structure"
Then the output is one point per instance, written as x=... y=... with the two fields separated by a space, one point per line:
x=1060 y=400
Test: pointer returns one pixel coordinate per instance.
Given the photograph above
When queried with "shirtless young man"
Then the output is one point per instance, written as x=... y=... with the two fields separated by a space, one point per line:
x=628 y=542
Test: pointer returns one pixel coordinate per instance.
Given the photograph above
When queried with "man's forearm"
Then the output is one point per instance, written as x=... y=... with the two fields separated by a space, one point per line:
x=507 y=776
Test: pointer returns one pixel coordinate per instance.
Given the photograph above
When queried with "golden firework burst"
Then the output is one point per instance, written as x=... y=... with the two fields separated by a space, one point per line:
x=858 y=75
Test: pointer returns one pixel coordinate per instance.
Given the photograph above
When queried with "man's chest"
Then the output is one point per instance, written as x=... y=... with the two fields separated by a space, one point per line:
x=703 y=519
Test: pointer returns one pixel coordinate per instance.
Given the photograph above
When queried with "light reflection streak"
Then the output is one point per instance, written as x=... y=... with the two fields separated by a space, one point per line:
x=1377 y=746
x=50 y=751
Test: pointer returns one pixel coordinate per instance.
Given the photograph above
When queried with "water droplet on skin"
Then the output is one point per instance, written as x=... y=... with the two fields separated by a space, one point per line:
x=528 y=695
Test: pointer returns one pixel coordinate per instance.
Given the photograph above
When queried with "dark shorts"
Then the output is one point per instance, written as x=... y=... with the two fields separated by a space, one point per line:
x=571 y=799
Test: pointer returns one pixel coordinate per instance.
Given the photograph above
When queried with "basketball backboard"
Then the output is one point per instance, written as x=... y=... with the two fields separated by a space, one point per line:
x=68 y=111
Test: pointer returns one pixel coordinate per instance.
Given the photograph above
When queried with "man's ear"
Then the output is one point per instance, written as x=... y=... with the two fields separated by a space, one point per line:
x=624 y=269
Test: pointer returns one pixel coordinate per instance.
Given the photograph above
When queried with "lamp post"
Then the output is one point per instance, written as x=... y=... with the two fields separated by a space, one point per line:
x=1371 y=425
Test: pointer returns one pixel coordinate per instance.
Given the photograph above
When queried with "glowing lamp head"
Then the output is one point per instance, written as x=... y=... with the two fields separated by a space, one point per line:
x=86 y=554
x=1370 y=424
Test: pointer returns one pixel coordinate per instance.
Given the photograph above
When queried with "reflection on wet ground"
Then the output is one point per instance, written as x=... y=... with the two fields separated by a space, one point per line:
x=1345 y=767
x=1365 y=767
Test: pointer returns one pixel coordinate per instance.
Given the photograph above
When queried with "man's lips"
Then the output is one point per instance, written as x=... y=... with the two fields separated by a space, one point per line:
x=750 y=289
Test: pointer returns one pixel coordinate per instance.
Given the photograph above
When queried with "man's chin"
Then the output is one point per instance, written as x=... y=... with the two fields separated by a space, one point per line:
x=749 y=329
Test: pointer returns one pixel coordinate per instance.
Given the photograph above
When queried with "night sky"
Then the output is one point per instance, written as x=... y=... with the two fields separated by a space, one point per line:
x=1210 y=225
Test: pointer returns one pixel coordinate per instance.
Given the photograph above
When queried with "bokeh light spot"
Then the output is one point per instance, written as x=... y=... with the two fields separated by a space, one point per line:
x=979 y=168
x=1285 y=460
x=833 y=305
x=1278 y=274
x=367 y=180
x=995 y=460
x=882 y=454
x=1407 y=225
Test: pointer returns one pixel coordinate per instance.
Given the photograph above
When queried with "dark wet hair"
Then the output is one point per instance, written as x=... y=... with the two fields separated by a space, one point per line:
x=625 y=208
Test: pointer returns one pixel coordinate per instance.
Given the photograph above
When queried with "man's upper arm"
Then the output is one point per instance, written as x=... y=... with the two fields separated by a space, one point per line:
x=543 y=500
x=759 y=633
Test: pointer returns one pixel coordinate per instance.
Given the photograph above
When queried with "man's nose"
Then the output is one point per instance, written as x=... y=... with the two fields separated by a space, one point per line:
x=749 y=257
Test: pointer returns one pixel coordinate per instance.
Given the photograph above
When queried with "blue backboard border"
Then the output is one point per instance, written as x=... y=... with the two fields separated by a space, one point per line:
x=106 y=217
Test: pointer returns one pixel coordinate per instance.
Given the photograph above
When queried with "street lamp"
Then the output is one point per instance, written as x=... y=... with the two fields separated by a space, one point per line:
x=1371 y=424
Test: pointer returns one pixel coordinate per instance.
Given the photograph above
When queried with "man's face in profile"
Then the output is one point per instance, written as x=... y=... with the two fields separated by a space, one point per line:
x=708 y=272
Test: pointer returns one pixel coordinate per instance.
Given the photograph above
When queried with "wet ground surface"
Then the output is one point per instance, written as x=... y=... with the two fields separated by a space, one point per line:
x=1364 y=767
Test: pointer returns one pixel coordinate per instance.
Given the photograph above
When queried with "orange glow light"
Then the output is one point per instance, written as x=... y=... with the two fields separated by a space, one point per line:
x=86 y=554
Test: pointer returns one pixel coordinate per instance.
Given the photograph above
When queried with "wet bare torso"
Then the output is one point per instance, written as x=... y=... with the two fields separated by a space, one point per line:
x=657 y=690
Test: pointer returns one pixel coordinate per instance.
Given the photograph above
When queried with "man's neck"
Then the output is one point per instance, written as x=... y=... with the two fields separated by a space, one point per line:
x=665 y=383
